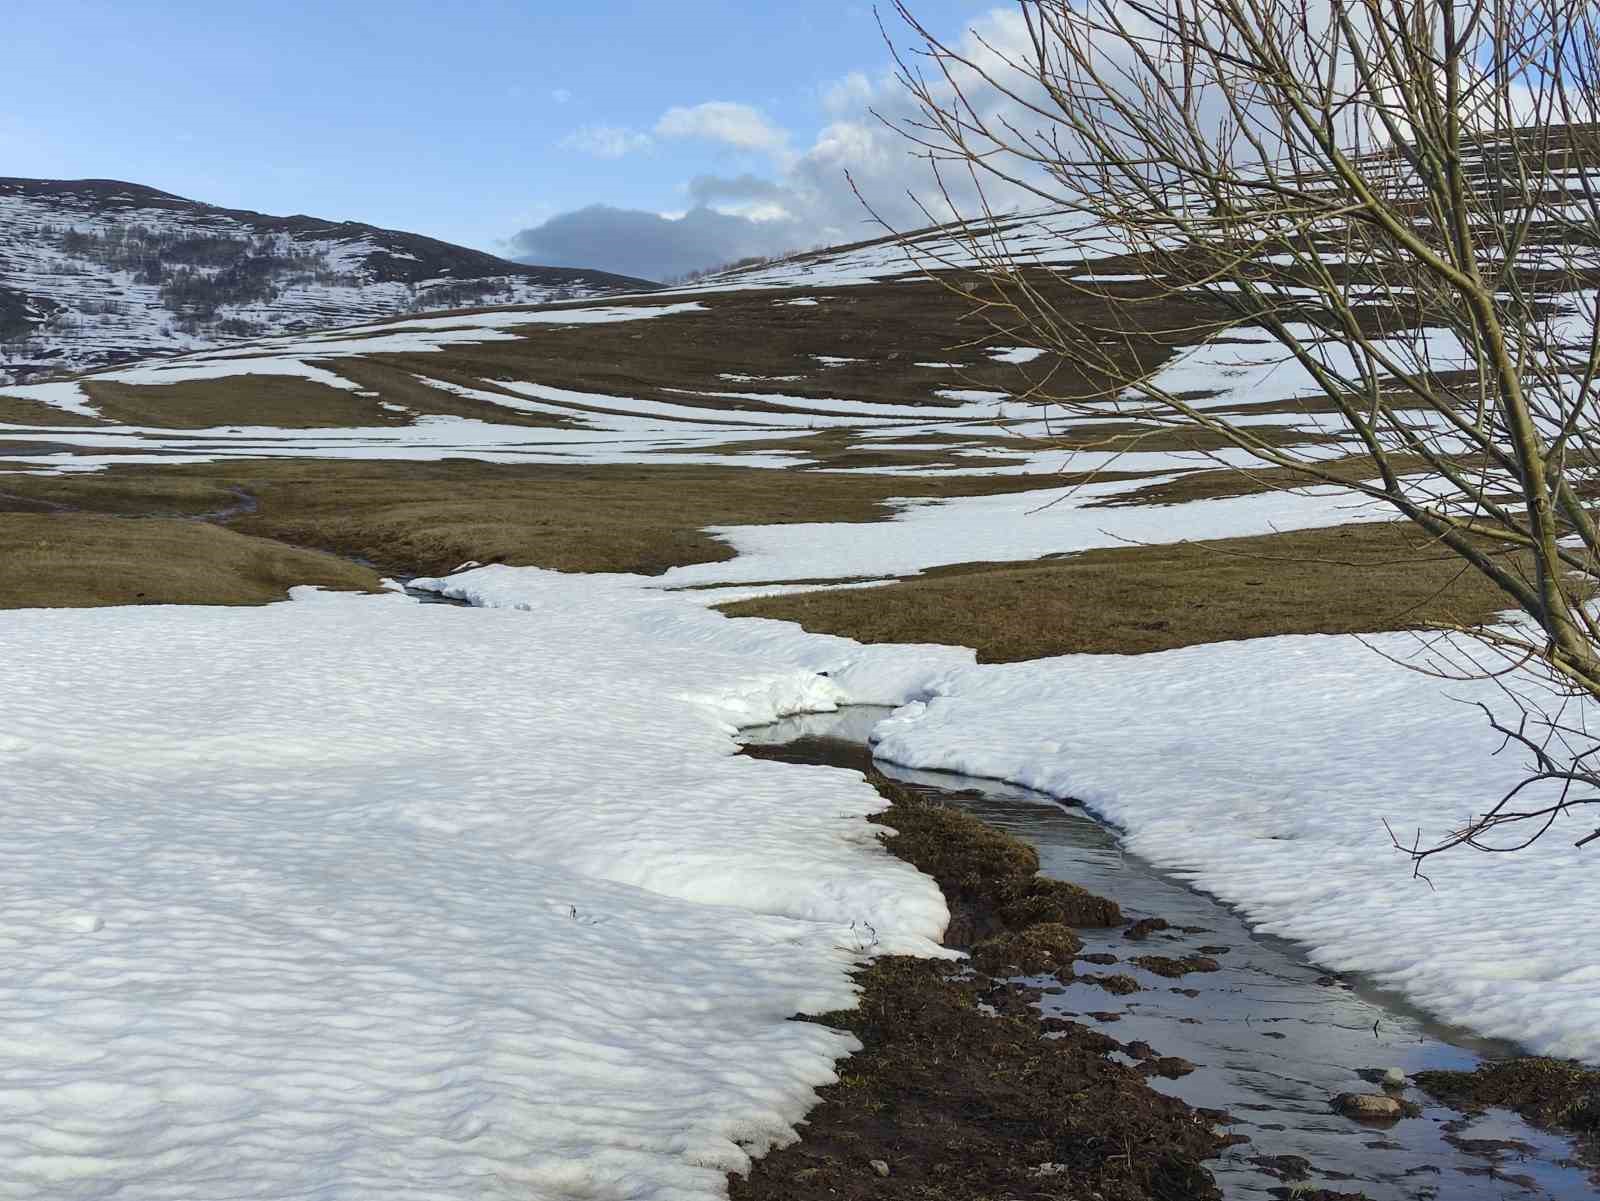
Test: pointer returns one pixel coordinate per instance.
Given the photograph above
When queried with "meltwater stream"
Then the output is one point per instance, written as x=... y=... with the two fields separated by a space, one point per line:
x=1273 y=1038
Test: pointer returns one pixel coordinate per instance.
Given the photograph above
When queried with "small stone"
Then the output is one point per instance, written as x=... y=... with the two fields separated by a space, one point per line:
x=1118 y=985
x=1169 y=1067
x=1368 y=1106
x=880 y=1167
x=1165 y=965
x=1145 y=927
x=1387 y=1077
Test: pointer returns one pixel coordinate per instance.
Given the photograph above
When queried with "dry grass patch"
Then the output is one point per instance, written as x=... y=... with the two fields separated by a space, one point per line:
x=1121 y=437
x=128 y=493
x=82 y=560
x=430 y=518
x=1348 y=579
x=426 y=518
x=283 y=401
x=16 y=411
x=1214 y=483
x=403 y=387
x=887 y=329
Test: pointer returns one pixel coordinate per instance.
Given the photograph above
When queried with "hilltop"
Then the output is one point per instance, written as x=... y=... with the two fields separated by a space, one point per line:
x=98 y=272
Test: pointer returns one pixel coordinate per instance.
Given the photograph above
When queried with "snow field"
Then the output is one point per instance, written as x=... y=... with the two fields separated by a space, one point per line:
x=354 y=897
x=1262 y=771
x=1010 y=527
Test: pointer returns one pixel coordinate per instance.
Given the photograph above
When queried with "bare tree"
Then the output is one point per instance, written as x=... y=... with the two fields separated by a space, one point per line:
x=1405 y=196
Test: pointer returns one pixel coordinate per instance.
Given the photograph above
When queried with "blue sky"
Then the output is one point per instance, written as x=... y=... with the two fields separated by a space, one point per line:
x=468 y=121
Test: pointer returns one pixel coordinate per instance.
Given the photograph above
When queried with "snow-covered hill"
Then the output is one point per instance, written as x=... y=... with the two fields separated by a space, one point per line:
x=96 y=272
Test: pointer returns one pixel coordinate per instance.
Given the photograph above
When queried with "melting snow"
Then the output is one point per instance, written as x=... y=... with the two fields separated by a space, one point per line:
x=357 y=897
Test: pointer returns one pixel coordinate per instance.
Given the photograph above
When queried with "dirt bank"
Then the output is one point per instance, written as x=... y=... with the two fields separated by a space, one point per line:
x=961 y=1090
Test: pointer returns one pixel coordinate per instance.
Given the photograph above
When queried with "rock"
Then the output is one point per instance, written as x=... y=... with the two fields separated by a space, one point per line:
x=1284 y=1167
x=1145 y=927
x=1163 y=965
x=879 y=1166
x=1168 y=1067
x=1388 y=1077
x=1368 y=1106
x=1118 y=984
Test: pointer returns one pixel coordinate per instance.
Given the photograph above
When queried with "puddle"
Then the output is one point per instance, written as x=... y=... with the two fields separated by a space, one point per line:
x=1273 y=1038
x=429 y=598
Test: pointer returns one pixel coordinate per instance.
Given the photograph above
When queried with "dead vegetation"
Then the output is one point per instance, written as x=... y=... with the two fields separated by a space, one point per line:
x=961 y=1091
x=425 y=518
x=14 y=410
x=751 y=343
x=282 y=401
x=1132 y=600
x=81 y=560
x=1551 y=1093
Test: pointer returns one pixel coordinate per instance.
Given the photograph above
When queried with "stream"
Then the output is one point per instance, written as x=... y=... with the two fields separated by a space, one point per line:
x=1273 y=1037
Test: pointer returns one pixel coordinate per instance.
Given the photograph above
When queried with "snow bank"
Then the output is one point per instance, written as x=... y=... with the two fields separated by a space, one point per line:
x=354 y=897
x=1262 y=771
x=1011 y=527
x=69 y=397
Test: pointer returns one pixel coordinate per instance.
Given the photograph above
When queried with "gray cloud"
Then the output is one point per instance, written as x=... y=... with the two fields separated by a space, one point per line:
x=634 y=242
x=808 y=201
x=713 y=189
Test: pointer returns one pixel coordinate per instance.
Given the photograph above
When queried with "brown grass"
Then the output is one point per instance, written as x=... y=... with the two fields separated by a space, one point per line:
x=83 y=560
x=429 y=517
x=960 y=1087
x=16 y=411
x=285 y=401
x=888 y=328
x=1349 y=579
x=1213 y=483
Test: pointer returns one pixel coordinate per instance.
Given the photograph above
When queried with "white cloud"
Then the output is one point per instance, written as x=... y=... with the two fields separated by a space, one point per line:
x=736 y=125
x=606 y=141
x=755 y=211
x=561 y=95
x=848 y=96
x=805 y=200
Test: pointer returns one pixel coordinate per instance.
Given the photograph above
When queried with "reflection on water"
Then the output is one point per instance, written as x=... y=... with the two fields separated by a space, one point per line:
x=1273 y=1038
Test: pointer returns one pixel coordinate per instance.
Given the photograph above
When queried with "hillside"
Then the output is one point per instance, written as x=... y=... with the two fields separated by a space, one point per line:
x=537 y=797
x=97 y=272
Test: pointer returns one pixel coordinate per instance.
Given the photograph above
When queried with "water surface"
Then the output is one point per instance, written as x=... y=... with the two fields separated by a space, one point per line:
x=1273 y=1038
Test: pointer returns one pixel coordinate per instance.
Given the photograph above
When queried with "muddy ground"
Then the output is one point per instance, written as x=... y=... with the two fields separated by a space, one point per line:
x=961 y=1090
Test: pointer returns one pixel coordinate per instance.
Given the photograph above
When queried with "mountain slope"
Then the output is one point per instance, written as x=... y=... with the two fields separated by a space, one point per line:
x=96 y=272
